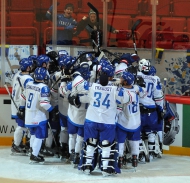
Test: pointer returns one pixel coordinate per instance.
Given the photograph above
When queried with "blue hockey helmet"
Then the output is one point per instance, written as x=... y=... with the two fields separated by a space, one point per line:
x=108 y=69
x=152 y=70
x=42 y=59
x=63 y=53
x=128 y=77
x=40 y=73
x=33 y=57
x=89 y=57
x=84 y=69
x=25 y=63
x=65 y=61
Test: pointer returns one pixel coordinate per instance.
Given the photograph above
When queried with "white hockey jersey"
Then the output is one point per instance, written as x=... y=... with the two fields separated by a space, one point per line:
x=77 y=115
x=17 y=90
x=103 y=102
x=36 y=99
x=129 y=116
x=154 y=93
x=120 y=68
x=58 y=96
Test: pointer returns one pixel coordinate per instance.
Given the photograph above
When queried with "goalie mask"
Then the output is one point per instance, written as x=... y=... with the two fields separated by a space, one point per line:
x=144 y=65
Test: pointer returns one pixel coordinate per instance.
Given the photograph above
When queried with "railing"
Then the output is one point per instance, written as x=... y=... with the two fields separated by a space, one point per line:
x=34 y=29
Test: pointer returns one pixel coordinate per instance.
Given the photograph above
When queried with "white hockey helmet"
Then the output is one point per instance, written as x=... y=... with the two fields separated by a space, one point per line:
x=144 y=65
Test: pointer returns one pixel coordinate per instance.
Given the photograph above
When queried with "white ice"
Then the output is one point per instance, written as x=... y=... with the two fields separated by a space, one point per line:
x=168 y=169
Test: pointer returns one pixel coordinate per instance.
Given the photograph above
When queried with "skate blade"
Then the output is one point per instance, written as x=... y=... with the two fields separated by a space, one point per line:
x=65 y=160
x=75 y=166
x=87 y=172
x=129 y=169
x=18 y=154
x=105 y=174
x=35 y=162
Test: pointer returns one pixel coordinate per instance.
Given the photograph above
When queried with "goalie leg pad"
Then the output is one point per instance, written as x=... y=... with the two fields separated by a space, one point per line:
x=89 y=156
x=109 y=158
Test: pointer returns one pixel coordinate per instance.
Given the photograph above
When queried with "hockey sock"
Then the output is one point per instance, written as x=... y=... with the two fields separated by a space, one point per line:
x=36 y=146
x=18 y=134
x=78 y=145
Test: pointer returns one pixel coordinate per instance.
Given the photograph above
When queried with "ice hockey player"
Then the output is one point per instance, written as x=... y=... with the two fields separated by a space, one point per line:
x=58 y=95
x=20 y=79
x=125 y=61
x=159 y=125
x=99 y=127
x=129 y=122
x=149 y=104
x=36 y=100
x=76 y=111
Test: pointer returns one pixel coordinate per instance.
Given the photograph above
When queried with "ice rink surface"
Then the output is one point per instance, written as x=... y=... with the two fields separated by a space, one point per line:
x=168 y=169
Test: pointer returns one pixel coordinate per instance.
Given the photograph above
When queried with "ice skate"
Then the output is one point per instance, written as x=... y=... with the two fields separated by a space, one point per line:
x=76 y=160
x=46 y=152
x=17 y=150
x=36 y=159
x=106 y=173
x=87 y=169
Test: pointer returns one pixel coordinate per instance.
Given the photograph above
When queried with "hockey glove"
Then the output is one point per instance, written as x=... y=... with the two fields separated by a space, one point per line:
x=21 y=113
x=74 y=100
x=65 y=78
x=54 y=114
x=140 y=81
x=132 y=69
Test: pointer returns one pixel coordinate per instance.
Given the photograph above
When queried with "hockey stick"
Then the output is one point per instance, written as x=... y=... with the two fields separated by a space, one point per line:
x=98 y=25
x=134 y=27
x=11 y=97
x=20 y=84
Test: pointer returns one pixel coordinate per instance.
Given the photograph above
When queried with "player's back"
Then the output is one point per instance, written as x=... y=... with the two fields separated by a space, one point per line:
x=36 y=93
x=151 y=83
x=102 y=108
x=129 y=117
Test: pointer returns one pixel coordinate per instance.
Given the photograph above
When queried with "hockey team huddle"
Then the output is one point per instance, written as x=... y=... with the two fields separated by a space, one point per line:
x=92 y=113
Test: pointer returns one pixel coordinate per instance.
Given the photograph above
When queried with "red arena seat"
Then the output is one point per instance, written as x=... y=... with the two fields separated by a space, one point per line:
x=181 y=8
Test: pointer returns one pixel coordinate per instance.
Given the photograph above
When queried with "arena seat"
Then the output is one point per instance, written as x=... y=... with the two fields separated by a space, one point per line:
x=144 y=28
x=21 y=5
x=22 y=28
x=181 y=8
x=119 y=22
x=164 y=8
x=43 y=4
x=127 y=7
x=175 y=24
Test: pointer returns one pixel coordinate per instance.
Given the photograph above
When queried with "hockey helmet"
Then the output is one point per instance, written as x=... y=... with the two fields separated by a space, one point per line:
x=65 y=61
x=25 y=63
x=42 y=59
x=63 y=53
x=152 y=70
x=108 y=69
x=128 y=77
x=40 y=73
x=144 y=65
